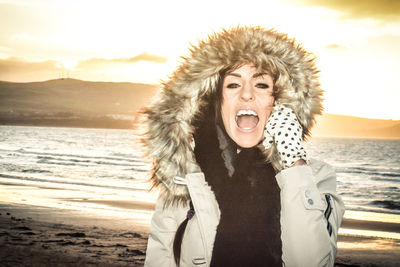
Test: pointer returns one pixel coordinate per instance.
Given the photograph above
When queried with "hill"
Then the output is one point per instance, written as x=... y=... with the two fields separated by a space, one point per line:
x=331 y=125
x=76 y=96
x=76 y=103
x=70 y=102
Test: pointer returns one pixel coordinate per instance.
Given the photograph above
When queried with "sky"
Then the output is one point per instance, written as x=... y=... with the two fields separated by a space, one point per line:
x=357 y=43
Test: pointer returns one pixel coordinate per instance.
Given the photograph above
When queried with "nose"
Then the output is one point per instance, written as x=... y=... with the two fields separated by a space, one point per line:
x=247 y=93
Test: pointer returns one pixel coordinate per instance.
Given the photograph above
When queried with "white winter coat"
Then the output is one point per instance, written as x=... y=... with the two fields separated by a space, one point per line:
x=306 y=240
x=168 y=142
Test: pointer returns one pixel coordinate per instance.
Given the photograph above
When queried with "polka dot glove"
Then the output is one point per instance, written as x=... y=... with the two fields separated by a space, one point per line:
x=285 y=131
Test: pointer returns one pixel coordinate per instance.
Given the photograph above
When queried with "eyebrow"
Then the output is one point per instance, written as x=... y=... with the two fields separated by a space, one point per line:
x=259 y=74
x=256 y=75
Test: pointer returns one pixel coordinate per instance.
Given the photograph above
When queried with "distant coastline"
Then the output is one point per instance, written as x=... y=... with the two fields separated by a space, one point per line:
x=332 y=125
x=102 y=123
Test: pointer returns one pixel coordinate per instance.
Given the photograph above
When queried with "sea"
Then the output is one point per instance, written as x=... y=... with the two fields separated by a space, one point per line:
x=63 y=167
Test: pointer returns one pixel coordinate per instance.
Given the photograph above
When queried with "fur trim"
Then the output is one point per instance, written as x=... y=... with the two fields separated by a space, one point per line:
x=169 y=121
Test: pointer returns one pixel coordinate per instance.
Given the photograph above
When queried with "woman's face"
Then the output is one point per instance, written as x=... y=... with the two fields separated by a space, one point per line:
x=247 y=99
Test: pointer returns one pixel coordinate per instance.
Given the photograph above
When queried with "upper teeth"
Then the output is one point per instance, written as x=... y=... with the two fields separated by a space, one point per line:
x=246 y=112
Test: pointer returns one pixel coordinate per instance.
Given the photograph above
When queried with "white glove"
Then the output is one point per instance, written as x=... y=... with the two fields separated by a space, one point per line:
x=284 y=129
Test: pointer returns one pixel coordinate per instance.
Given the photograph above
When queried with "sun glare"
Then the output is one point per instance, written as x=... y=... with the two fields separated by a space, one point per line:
x=68 y=63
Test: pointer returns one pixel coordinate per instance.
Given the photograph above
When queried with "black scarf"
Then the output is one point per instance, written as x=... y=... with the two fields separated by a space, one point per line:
x=248 y=196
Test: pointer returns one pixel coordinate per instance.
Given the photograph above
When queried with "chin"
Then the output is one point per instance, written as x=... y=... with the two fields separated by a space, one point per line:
x=247 y=140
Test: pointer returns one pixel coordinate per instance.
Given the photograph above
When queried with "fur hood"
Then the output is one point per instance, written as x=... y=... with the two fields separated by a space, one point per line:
x=168 y=138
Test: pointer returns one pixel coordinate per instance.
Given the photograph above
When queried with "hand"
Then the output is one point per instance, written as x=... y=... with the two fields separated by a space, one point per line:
x=285 y=131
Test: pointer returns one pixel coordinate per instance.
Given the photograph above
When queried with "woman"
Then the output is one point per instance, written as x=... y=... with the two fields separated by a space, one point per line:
x=225 y=137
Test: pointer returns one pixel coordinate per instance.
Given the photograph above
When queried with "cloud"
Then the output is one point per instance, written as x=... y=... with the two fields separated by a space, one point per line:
x=100 y=62
x=20 y=36
x=383 y=9
x=335 y=47
x=15 y=65
x=14 y=69
x=17 y=69
x=148 y=57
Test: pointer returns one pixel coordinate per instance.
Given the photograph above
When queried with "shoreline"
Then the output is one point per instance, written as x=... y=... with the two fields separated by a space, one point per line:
x=39 y=236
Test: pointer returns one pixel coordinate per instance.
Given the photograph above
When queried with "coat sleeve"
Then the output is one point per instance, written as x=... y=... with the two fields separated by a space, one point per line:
x=164 y=224
x=311 y=213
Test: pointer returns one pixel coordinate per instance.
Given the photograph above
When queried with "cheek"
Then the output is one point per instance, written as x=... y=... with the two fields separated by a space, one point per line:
x=226 y=104
x=267 y=107
x=225 y=111
x=268 y=104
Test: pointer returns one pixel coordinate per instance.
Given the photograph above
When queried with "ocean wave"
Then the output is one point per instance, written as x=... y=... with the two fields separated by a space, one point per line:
x=40 y=180
x=62 y=163
x=35 y=171
x=371 y=209
x=42 y=158
x=385 y=179
x=116 y=164
x=137 y=170
x=123 y=155
x=127 y=158
x=369 y=172
x=391 y=188
x=83 y=162
x=387 y=204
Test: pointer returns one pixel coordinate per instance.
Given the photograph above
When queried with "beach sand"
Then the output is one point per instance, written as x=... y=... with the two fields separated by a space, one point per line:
x=39 y=236
x=367 y=251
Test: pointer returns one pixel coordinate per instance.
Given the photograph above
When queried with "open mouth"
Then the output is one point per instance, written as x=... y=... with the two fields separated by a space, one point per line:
x=246 y=119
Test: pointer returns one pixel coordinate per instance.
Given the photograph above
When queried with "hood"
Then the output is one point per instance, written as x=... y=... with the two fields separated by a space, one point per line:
x=168 y=140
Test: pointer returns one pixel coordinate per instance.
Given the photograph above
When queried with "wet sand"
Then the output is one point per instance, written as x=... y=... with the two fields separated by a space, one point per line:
x=368 y=251
x=70 y=240
x=39 y=236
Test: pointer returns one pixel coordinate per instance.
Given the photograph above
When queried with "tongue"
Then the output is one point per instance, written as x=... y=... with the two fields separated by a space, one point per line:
x=247 y=122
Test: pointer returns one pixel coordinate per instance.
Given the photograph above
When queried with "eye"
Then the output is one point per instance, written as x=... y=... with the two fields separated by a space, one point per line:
x=262 y=85
x=232 y=85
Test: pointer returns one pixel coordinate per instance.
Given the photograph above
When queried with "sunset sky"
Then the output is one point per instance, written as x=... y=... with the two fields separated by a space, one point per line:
x=357 y=42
